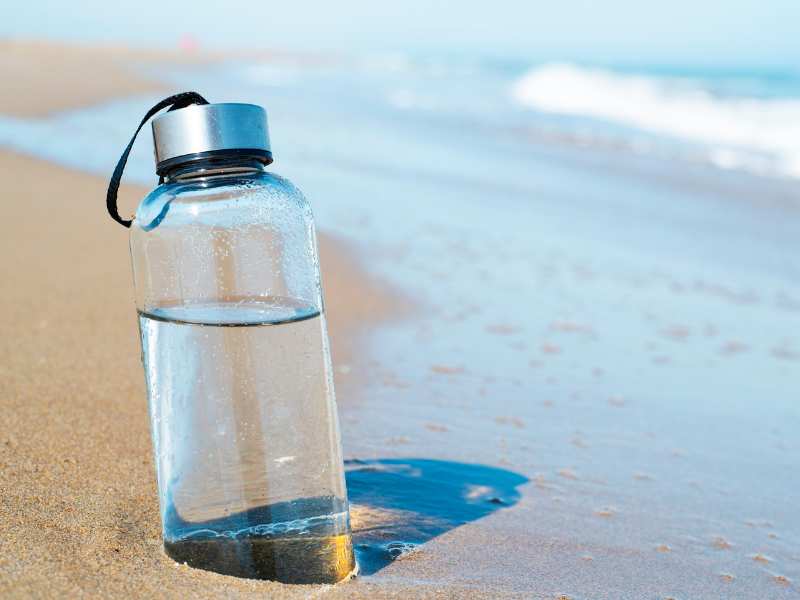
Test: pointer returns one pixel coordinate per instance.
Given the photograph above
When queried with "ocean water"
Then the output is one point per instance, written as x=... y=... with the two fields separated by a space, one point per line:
x=741 y=120
x=603 y=276
x=748 y=121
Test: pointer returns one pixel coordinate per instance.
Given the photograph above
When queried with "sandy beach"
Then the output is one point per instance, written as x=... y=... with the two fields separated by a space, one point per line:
x=597 y=439
x=79 y=505
x=42 y=77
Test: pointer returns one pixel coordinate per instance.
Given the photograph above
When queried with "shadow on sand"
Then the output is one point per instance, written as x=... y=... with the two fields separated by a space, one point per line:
x=398 y=504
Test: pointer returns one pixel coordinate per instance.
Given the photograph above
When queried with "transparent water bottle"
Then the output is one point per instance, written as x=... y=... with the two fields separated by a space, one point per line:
x=236 y=357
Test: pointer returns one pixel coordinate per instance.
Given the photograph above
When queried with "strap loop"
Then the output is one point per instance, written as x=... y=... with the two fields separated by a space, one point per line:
x=175 y=102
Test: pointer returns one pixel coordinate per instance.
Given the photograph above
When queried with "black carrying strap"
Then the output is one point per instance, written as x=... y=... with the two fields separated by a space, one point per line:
x=175 y=102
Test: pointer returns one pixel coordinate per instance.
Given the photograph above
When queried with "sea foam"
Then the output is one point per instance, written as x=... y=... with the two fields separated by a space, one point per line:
x=761 y=135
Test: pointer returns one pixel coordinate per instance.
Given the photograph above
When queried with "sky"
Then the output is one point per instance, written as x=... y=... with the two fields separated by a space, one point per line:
x=721 y=32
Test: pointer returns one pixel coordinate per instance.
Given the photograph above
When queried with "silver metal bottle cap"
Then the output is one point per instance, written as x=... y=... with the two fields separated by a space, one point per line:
x=203 y=130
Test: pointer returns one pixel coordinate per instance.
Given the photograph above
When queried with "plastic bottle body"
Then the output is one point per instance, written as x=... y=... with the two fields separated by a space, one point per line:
x=239 y=378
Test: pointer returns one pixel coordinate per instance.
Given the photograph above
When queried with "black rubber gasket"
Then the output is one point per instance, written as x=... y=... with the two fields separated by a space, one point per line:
x=264 y=156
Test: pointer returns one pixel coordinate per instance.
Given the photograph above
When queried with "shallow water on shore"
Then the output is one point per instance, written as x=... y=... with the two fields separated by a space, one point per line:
x=619 y=331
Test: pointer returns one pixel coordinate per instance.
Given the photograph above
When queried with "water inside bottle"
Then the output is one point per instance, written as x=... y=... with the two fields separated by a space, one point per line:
x=245 y=436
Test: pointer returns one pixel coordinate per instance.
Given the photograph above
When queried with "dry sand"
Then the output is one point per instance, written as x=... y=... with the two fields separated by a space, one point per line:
x=45 y=77
x=39 y=78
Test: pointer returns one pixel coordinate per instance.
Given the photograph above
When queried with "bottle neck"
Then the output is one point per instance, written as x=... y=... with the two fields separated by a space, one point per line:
x=221 y=165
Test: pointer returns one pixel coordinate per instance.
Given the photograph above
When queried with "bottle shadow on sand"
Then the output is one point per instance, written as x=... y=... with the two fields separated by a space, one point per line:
x=398 y=504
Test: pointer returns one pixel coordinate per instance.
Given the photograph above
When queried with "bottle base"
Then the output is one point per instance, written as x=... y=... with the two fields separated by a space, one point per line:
x=327 y=559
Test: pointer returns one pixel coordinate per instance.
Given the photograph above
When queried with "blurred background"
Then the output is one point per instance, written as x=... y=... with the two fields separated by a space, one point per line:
x=712 y=83
x=580 y=226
